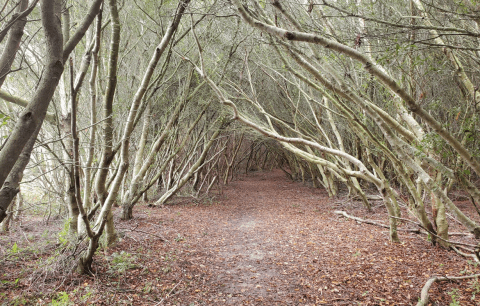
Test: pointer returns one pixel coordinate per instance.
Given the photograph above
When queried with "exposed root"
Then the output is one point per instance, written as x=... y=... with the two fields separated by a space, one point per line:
x=465 y=254
x=424 y=294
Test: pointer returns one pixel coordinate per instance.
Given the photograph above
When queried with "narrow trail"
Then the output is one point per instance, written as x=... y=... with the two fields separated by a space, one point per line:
x=270 y=241
x=263 y=240
x=255 y=236
x=250 y=239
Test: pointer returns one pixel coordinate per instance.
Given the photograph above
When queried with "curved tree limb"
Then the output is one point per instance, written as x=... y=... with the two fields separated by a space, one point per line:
x=35 y=112
x=372 y=68
x=424 y=293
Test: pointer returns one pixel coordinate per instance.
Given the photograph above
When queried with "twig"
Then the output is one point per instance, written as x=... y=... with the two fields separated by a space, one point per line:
x=26 y=237
x=424 y=294
x=167 y=295
x=136 y=230
x=69 y=134
x=131 y=238
x=453 y=218
x=464 y=248
x=460 y=234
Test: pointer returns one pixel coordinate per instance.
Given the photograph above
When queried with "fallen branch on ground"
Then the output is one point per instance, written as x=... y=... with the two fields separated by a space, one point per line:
x=168 y=294
x=424 y=294
x=340 y=212
x=433 y=234
x=476 y=254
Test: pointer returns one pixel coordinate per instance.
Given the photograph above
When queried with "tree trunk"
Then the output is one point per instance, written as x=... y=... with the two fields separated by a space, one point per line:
x=34 y=113
x=12 y=184
x=87 y=197
x=127 y=211
x=194 y=168
x=5 y=224
x=13 y=42
x=107 y=136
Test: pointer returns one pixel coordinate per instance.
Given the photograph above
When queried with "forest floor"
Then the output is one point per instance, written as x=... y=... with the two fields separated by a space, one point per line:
x=264 y=240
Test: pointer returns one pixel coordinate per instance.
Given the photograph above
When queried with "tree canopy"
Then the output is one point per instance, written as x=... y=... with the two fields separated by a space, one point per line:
x=106 y=103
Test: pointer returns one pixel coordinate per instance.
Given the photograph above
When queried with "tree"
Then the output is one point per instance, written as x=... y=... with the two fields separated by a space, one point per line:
x=32 y=117
x=370 y=95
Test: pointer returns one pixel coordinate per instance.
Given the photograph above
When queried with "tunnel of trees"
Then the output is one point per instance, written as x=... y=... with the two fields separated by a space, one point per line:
x=115 y=103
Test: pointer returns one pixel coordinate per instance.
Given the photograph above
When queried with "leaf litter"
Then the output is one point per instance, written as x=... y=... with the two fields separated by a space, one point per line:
x=264 y=240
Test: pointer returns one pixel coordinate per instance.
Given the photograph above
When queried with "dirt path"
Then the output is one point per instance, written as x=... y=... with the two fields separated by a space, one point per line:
x=269 y=241
x=249 y=246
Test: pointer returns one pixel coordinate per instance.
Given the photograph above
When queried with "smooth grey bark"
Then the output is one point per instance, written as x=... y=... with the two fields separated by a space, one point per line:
x=13 y=43
x=35 y=112
x=75 y=200
x=93 y=117
x=107 y=133
x=111 y=236
x=75 y=172
x=12 y=184
x=16 y=17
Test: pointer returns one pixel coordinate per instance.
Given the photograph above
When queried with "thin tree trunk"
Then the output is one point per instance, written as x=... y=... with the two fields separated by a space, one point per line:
x=13 y=42
x=374 y=69
x=194 y=168
x=107 y=135
x=35 y=112
x=12 y=184
x=87 y=197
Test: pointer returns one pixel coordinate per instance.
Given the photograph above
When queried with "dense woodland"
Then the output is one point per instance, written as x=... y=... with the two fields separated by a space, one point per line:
x=107 y=105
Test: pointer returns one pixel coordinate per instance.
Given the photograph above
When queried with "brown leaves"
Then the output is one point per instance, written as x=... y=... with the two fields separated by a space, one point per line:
x=254 y=249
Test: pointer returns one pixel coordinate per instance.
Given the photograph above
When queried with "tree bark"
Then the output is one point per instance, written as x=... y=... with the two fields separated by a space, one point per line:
x=35 y=112
x=13 y=43
x=87 y=197
x=194 y=168
x=107 y=134
x=372 y=68
x=12 y=184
